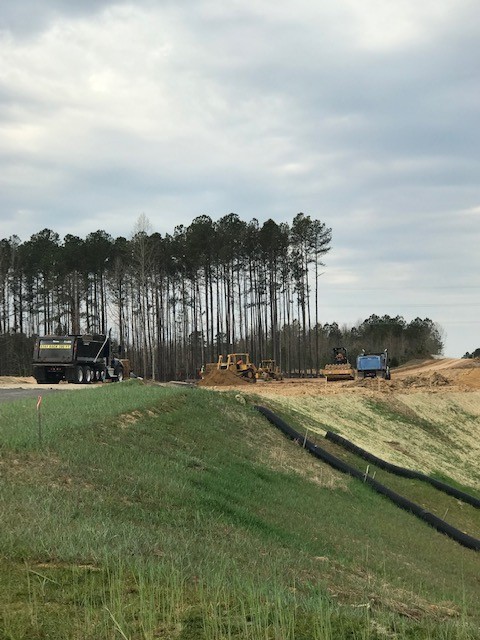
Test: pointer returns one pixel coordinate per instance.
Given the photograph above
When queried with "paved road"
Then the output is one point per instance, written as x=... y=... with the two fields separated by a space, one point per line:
x=7 y=395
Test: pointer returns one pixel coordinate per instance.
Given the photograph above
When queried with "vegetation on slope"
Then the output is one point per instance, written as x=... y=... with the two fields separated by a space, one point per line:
x=157 y=512
x=437 y=433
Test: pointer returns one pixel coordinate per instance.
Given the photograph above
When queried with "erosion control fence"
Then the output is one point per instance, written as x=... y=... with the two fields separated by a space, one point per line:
x=401 y=471
x=402 y=502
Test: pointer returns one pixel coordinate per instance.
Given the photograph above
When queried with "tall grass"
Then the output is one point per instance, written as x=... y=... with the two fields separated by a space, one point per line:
x=164 y=601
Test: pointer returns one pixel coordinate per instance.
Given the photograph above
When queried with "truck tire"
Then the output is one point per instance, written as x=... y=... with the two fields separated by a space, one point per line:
x=119 y=374
x=78 y=375
x=87 y=374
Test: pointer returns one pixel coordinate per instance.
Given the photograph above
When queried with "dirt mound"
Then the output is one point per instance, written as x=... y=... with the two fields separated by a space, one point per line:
x=434 y=379
x=370 y=382
x=9 y=380
x=222 y=378
x=437 y=380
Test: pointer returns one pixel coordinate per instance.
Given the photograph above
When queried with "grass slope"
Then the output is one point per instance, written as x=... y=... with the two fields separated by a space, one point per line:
x=437 y=433
x=156 y=512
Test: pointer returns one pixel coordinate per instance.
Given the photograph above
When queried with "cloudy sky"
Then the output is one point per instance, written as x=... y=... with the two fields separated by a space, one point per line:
x=364 y=115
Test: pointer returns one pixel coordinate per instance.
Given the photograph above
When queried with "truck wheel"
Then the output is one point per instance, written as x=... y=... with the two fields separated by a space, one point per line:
x=87 y=375
x=102 y=375
x=119 y=374
x=78 y=376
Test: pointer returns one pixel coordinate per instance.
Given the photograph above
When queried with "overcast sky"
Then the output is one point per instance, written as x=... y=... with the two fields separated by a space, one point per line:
x=364 y=115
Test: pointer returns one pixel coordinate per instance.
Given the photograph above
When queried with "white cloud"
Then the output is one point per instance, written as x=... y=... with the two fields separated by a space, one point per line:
x=388 y=25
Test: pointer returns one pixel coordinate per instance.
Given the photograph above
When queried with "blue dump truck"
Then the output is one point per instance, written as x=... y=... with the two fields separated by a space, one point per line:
x=373 y=365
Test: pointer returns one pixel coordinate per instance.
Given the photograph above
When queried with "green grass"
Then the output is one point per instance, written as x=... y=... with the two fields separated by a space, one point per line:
x=157 y=512
x=461 y=515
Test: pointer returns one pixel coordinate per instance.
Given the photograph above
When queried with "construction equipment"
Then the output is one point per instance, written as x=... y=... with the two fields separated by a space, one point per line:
x=77 y=358
x=340 y=368
x=268 y=370
x=374 y=365
x=239 y=364
x=236 y=364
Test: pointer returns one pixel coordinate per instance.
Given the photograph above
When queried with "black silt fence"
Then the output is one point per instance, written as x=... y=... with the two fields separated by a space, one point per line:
x=401 y=471
x=402 y=502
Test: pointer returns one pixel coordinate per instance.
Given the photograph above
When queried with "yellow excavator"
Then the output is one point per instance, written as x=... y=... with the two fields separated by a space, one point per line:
x=340 y=368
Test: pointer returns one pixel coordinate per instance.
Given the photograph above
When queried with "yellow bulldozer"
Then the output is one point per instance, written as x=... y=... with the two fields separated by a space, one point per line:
x=340 y=368
x=238 y=364
x=268 y=370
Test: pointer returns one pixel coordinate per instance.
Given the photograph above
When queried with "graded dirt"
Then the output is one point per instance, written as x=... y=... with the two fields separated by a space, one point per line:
x=222 y=378
x=427 y=417
x=446 y=374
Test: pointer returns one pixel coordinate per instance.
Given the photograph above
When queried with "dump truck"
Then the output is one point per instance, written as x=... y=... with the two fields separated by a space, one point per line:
x=340 y=368
x=268 y=370
x=77 y=358
x=373 y=365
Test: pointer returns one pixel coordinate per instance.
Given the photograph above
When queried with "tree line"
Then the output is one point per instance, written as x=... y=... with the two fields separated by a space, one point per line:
x=177 y=301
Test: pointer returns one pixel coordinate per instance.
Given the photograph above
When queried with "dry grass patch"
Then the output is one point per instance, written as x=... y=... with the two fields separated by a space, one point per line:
x=33 y=468
x=128 y=419
x=278 y=458
x=30 y=466
x=425 y=431
x=359 y=588
x=65 y=565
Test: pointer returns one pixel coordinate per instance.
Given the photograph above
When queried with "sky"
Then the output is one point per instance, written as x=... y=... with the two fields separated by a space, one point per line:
x=364 y=115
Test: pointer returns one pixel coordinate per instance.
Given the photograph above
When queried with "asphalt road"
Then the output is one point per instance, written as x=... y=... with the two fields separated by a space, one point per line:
x=7 y=395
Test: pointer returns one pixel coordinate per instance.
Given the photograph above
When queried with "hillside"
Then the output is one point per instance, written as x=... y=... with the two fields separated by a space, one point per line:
x=427 y=415
x=164 y=512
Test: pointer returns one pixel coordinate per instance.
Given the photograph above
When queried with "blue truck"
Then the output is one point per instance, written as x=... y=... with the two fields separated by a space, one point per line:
x=373 y=365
